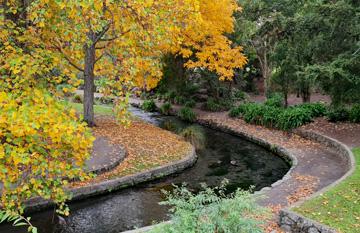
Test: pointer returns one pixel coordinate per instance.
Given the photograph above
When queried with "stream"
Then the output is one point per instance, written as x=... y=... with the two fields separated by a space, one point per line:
x=243 y=163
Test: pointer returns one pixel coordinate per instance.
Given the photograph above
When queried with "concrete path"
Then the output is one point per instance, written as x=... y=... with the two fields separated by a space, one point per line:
x=105 y=156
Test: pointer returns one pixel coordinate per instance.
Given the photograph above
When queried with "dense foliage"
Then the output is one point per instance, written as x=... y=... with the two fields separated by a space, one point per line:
x=42 y=146
x=149 y=106
x=210 y=211
x=302 y=46
x=277 y=117
x=187 y=114
x=165 y=108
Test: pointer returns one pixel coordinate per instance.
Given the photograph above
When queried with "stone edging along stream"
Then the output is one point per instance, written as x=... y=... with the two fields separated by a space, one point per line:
x=36 y=204
x=294 y=222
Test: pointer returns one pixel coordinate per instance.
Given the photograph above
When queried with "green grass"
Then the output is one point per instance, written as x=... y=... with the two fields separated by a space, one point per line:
x=98 y=109
x=338 y=208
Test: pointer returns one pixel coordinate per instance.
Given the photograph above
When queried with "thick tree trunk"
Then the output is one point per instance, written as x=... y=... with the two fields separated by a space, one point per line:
x=89 y=85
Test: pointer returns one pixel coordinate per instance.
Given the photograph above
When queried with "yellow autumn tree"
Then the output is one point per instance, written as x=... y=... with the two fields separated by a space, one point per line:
x=204 y=43
x=123 y=41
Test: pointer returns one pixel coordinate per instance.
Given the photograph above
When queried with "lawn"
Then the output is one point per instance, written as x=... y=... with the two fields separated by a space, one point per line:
x=340 y=206
x=98 y=109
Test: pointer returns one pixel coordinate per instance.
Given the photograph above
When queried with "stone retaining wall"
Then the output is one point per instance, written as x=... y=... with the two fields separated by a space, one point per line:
x=297 y=223
x=37 y=204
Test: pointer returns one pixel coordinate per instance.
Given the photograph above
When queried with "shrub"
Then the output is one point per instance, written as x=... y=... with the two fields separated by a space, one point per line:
x=213 y=105
x=337 y=114
x=316 y=109
x=190 y=103
x=165 y=108
x=271 y=116
x=169 y=96
x=179 y=100
x=235 y=112
x=149 y=106
x=253 y=113
x=170 y=126
x=355 y=113
x=276 y=100
x=187 y=114
x=239 y=95
x=211 y=210
x=275 y=117
x=293 y=117
x=78 y=99
x=195 y=135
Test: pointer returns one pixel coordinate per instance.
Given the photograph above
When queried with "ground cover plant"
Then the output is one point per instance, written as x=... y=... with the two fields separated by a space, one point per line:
x=187 y=114
x=339 y=207
x=272 y=115
x=149 y=106
x=210 y=211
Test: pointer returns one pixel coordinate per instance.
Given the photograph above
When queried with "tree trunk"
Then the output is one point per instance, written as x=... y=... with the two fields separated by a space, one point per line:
x=306 y=95
x=286 y=102
x=89 y=85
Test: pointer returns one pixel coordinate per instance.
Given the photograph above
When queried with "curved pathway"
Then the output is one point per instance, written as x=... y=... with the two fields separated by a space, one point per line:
x=104 y=156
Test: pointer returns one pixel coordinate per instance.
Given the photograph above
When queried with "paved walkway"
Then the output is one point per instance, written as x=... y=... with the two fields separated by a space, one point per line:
x=105 y=156
x=347 y=133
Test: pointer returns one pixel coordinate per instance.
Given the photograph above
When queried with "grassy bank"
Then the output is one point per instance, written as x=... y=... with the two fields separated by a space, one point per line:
x=98 y=109
x=338 y=208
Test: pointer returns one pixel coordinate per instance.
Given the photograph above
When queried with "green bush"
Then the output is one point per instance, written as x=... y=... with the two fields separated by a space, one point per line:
x=240 y=110
x=187 y=114
x=337 y=114
x=276 y=100
x=239 y=95
x=179 y=100
x=165 y=108
x=293 y=117
x=271 y=116
x=190 y=103
x=235 y=112
x=211 y=210
x=276 y=117
x=149 y=106
x=253 y=113
x=213 y=105
x=316 y=109
x=355 y=113
x=169 y=96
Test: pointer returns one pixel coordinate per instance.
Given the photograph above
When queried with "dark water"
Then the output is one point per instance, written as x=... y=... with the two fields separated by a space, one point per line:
x=243 y=163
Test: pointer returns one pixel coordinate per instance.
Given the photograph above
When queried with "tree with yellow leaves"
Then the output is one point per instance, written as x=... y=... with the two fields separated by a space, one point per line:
x=124 y=41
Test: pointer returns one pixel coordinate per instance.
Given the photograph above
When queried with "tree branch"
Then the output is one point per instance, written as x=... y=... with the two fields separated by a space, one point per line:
x=68 y=59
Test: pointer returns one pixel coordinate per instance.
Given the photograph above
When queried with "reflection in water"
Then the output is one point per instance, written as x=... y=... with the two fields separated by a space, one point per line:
x=243 y=163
